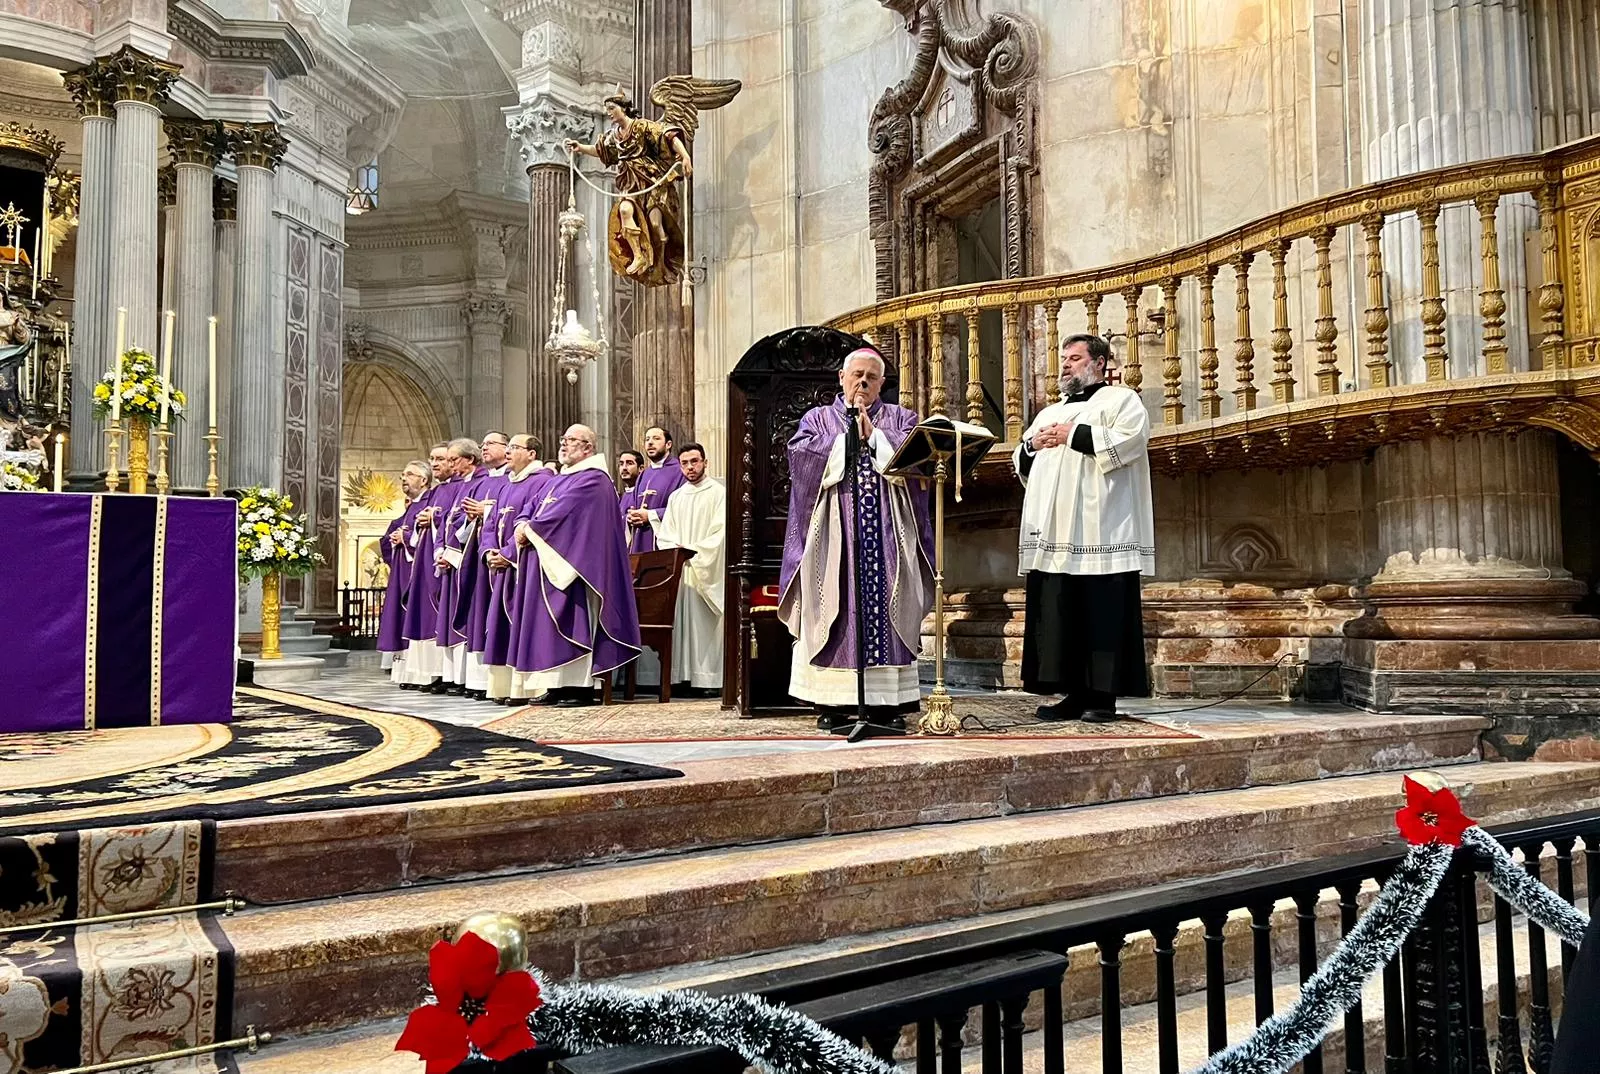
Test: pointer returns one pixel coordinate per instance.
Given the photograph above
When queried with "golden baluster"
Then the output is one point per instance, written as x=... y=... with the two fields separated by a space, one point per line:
x=1327 y=335
x=1377 y=314
x=1013 y=376
x=908 y=365
x=1491 y=299
x=1552 y=297
x=1282 y=338
x=1434 y=355
x=1210 y=400
x=1091 y=306
x=1171 y=366
x=1052 y=345
x=1244 y=347
x=974 y=368
x=1132 y=374
x=936 y=394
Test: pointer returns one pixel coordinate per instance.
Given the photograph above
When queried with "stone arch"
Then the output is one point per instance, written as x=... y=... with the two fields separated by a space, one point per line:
x=390 y=414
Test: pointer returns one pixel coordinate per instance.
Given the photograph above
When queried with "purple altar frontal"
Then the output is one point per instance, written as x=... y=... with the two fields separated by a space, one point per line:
x=116 y=610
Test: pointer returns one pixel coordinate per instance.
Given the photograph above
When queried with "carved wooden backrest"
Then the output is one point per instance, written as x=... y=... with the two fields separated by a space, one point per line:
x=656 y=577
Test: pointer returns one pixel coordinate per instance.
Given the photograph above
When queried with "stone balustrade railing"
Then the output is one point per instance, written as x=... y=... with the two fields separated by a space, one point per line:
x=1372 y=254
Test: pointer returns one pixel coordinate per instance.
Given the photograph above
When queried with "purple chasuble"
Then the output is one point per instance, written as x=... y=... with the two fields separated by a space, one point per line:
x=520 y=497
x=427 y=586
x=472 y=579
x=655 y=486
x=578 y=517
x=809 y=449
x=452 y=587
x=394 y=597
x=630 y=501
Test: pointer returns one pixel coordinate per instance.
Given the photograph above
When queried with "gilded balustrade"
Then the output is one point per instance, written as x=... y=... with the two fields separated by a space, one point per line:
x=1349 y=341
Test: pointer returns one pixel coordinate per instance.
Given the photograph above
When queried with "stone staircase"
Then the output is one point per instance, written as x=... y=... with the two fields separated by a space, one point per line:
x=306 y=654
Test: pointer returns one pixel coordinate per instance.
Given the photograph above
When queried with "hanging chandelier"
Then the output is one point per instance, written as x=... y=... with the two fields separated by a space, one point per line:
x=569 y=342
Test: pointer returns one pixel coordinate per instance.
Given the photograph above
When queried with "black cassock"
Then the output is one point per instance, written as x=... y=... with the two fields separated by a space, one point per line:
x=1084 y=635
x=1578 y=1036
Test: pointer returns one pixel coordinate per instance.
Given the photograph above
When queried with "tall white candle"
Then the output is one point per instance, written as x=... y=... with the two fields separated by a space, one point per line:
x=59 y=438
x=116 y=376
x=211 y=361
x=38 y=244
x=61 y=370
x=170 y=319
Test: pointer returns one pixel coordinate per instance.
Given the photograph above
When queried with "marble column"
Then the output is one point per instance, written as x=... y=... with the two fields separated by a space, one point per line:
x=255 y=396
x=1442 y=84
x=140 y=84
x=663 y=336
x=194 y=146
x=93 y=315
x=539 y=130
x=486 y=316
x=167 y=228
x=225 y=217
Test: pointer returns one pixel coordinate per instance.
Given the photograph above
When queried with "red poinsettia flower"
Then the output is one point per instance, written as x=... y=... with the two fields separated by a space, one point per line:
x=1431 y=816
x=476 y=1005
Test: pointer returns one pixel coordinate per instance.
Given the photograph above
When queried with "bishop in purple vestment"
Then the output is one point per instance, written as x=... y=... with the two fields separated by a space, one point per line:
x=397 y=555
x=419 y=664
x=657 y=482
x=817 y=587
x=575 y=616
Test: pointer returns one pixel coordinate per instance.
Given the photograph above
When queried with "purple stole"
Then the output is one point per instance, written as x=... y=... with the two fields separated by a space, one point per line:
x=520 y=496
x=655 y=486
x=394 y=599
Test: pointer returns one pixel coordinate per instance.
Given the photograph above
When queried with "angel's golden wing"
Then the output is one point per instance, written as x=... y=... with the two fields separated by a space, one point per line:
x=683 y=97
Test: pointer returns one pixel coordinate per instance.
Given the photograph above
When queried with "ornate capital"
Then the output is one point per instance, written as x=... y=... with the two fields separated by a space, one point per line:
x=137 y=77
x=194 y=141
x=255 y=145
x=166 y=186
x=33 y=141
x=483 y=310
x=540 y=128
x=224 y=199
x=92 y=89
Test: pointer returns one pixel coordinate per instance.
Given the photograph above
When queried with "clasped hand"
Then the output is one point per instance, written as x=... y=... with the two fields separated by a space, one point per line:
x=1052 y=436
x=638 y=517
x=497 y=562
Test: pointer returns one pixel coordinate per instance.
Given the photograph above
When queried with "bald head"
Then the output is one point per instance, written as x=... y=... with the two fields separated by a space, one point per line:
x=578 y=444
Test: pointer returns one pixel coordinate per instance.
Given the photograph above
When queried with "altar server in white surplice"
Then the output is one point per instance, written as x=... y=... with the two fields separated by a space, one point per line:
x=696 y=518
x=1088 y=532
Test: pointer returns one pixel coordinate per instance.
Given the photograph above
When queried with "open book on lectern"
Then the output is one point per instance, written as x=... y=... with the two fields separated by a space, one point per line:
x=965 y=443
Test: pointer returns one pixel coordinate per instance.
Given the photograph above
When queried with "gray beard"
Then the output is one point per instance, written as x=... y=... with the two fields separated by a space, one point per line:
x=1074 y=385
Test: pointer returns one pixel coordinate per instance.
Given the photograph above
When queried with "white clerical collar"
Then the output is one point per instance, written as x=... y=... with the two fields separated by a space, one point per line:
x=596 y=461
x=527 y=471
x=656 y=465
x=501 y=470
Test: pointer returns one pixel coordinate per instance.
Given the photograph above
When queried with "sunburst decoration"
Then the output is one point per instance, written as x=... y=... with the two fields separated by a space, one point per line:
x=371 y=491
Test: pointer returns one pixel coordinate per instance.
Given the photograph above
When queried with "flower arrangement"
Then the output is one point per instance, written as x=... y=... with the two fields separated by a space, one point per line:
x=140 y=389
x=272 y=539
x=15 y=477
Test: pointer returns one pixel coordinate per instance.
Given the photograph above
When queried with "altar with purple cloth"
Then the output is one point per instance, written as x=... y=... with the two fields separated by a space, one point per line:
x=116 y=610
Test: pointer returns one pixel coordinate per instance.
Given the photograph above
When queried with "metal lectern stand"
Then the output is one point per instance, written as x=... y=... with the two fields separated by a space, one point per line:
x=937 y=441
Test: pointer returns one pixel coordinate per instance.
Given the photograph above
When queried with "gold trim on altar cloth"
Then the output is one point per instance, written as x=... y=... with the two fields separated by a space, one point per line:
x=158 y=574
x=92 y=615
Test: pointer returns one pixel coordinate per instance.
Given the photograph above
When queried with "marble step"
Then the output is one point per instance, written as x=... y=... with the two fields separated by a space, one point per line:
x=335 y=963
x=786 y=796
x=286 y=671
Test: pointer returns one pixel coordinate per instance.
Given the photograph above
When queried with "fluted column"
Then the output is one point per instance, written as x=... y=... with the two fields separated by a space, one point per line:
x=486 y=315
x=194 y=147
x=255 y=396
x=1443 y=84
x=167 y=228
x=140 y=84
x=92 y=312
x=663 y=339
x=538 y=130
x=225 y=217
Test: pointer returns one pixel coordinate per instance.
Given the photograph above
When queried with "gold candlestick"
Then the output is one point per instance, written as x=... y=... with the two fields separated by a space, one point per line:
x=113 y=454
x=940 y=717
x=138 y=455
x=213 y=485
x=163 y=446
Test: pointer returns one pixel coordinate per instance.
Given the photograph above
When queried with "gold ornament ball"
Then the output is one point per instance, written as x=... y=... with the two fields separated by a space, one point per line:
x=1433 y=781
x=505 y=932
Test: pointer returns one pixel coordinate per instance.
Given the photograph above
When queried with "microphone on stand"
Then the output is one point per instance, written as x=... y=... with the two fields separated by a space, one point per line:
x=852 y=453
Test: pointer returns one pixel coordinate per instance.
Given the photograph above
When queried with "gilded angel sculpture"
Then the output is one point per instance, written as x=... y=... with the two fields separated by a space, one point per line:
x=646 y=227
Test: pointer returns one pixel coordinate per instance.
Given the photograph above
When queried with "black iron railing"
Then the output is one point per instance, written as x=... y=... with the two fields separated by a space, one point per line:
x=1432 y=1006
x=360 y=610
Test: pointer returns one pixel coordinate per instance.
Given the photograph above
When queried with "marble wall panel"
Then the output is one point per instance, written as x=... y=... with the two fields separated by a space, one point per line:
x=329 y=380
x=70 y=14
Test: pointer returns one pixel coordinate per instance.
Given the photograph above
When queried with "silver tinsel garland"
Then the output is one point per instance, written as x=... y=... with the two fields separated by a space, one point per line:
x=586 y=1018
x=1522 y=891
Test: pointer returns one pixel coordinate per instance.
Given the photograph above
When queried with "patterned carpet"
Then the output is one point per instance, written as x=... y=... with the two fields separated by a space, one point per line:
x=982 y=715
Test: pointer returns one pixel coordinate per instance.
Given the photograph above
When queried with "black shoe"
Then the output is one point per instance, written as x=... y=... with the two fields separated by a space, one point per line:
x=476 y=695
x=1100 y=716
x=514 y=702
x=408 y=686
x=1061 y=710
x=437 y=686
x=456 y=689
x=574 y=697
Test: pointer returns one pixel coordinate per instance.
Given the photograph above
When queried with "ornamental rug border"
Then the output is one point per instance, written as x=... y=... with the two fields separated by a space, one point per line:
x=282 y=754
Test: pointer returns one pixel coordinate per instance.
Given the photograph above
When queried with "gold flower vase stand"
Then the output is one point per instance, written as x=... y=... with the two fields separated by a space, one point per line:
x=271 y=616
x=942 y=445
x=138 y=455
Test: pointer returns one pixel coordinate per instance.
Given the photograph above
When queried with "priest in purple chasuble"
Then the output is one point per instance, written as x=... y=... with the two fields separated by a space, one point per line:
x=575 y=615
x=464 y=569
x=397 y=556
x=525 y=487
x=658 y=480
x=629 y=465
x=419 y=664
x=817 y=584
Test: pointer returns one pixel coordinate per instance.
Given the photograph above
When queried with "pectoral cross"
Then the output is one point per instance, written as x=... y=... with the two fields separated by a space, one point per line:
x=647 y=493
x=548 y=500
